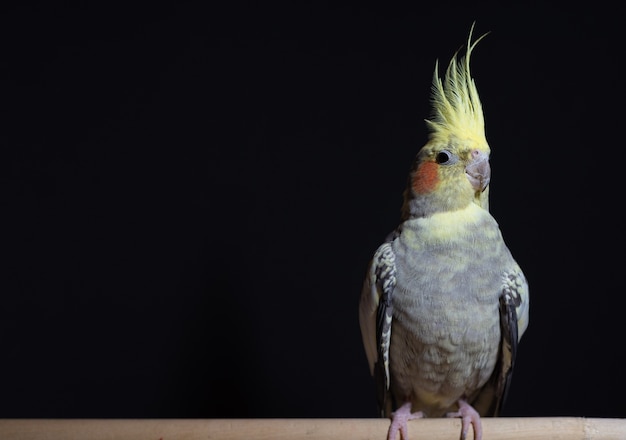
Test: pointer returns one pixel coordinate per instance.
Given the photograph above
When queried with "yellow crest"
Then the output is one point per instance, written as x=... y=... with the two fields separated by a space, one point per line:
x=457 y=111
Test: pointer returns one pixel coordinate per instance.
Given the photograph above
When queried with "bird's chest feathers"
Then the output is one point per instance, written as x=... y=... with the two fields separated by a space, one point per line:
x=446 y=332
x=448 y=228
x=449 y=274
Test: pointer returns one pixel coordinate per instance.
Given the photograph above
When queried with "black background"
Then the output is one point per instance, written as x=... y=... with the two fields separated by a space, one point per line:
x=191 y=194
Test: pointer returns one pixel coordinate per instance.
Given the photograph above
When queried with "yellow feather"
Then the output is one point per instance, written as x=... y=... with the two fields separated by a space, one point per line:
x=457 y=111
x=448 y=226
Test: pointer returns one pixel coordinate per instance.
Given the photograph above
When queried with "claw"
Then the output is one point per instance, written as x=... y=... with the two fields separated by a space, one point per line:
x=399 y=420
x=469 y=416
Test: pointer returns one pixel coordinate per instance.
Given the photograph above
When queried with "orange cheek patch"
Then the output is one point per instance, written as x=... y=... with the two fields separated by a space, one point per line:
x=425 y=178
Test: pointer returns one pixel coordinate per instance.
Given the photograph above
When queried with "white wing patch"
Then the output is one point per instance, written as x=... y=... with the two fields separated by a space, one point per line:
x=516 y=291
x=385 y=273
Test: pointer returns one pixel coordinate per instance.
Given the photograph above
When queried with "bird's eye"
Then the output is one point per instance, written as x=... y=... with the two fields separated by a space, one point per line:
x=444 y=157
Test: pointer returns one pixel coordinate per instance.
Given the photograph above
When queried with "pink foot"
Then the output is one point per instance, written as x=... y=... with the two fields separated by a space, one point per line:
x=399 y=421
x=469 y=416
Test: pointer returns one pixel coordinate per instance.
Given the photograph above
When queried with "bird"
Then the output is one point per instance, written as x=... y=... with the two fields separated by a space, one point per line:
x=444 y=303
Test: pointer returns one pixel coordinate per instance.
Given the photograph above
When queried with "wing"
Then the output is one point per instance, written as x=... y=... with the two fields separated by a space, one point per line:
x=375 y=317
x=513 y=323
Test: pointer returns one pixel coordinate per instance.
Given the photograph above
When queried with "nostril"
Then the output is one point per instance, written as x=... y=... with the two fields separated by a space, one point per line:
x=475 y=153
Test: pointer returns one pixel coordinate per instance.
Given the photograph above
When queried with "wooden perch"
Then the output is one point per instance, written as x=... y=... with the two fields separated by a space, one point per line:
x=503 y=428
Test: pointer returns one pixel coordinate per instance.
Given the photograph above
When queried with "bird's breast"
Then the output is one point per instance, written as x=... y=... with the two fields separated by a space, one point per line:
x=440 y=352
x=446 y=331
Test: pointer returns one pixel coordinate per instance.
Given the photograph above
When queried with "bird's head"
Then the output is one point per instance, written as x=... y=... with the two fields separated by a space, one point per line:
x=452 y=169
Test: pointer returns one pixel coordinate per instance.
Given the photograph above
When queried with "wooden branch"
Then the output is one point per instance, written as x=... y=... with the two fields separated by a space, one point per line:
x=503 y=428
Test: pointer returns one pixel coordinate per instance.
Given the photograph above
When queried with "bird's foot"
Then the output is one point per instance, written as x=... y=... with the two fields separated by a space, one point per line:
x=469 y=416
x=399 y=420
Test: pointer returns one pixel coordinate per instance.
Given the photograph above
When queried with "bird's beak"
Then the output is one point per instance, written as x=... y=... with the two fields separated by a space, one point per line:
x=478 y=171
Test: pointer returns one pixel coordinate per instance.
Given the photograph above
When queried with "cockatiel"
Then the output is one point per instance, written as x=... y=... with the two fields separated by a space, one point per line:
x=444 y=303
